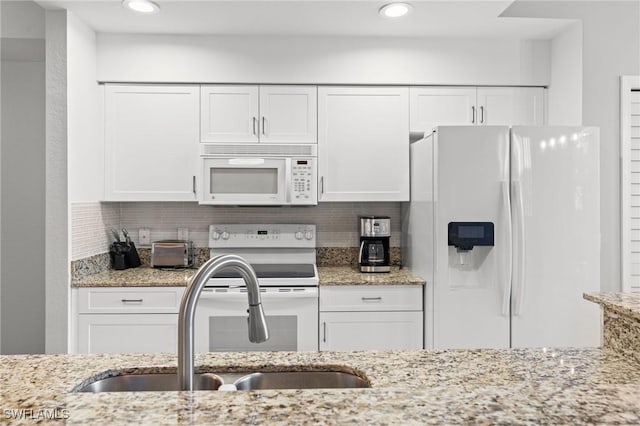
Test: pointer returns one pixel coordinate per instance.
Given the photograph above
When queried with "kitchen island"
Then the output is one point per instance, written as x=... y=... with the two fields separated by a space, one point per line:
x=523 y=386
x=516 y=386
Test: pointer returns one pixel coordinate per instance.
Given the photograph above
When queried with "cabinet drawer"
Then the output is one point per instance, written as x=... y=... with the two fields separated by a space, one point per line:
x=371 y=298
x=129 y=300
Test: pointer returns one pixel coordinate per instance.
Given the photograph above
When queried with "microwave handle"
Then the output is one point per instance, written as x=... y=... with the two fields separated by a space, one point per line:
x=287 y=180
x=245 y=161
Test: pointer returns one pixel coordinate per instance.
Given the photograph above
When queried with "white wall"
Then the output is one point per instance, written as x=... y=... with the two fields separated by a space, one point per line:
x=57 y=235
x=565 y=87
x=22 y=19
x=22 y=184
x=85 y=135
x=23 y=272
x=0 y=184
x=611 y=48
x=321 y=60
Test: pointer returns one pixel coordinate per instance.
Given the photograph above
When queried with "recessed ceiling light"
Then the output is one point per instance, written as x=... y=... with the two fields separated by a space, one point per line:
x=142 y=6
x=395 y=10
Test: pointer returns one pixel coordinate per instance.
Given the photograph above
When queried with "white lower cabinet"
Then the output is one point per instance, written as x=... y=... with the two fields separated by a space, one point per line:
x=371 y=318
x=119 y=333
x=351 y=331
x=132 y=319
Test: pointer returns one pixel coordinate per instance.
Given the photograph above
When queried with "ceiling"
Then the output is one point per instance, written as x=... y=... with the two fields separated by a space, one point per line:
x=450 y=18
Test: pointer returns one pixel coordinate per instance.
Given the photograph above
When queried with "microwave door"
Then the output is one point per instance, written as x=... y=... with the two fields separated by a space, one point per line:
x=245 y=180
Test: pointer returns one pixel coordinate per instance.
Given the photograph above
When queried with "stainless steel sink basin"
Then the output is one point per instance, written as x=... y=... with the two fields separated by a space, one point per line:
x=150 y=382
x=300 y=380
x=241 y=380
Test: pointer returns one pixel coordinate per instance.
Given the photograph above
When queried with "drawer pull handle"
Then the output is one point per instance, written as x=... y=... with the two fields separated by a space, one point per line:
x=324 y=332
x=372 y=299
x=131 y=300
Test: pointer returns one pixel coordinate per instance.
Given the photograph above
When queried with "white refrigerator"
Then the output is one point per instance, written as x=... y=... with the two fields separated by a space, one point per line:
x=504 y=224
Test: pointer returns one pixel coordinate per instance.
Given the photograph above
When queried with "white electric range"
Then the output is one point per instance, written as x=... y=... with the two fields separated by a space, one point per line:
x=284 y=258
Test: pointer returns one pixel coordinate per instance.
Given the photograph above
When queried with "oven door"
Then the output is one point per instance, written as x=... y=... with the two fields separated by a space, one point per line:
x=292 y=318
x=245 y=180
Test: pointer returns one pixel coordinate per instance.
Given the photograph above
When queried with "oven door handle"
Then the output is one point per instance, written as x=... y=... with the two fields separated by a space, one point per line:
x=308 y=293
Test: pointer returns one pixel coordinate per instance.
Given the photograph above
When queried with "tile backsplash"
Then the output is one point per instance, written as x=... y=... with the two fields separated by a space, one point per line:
x=336 y=222
x=90 y=228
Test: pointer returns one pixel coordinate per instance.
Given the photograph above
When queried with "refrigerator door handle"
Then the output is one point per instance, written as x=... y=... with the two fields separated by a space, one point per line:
x=508 y=270
x=519 y=283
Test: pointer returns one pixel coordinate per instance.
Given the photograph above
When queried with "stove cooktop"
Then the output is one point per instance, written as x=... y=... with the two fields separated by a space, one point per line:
x=275 y=270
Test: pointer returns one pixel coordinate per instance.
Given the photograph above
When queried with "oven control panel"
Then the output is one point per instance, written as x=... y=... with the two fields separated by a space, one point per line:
x=261 y=235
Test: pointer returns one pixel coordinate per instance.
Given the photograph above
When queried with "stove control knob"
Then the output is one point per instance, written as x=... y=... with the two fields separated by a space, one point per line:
x=225 y=235
x=215 y=235
x=308 y=235
x=298 y=235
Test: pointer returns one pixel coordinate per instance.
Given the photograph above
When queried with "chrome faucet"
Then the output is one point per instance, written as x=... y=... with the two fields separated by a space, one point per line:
x=258 y=331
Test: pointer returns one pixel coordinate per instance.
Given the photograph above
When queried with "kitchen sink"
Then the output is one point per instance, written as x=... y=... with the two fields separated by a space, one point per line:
x=243 y=381
x=300 y=380
x=150 y=382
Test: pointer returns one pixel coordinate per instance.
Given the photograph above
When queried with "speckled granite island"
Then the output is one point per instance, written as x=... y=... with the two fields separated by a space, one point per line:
x=621 y=314
x=329 y=275
x=589 y=386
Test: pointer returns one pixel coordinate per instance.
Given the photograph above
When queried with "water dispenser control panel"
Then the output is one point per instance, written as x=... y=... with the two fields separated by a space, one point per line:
x=464 y=236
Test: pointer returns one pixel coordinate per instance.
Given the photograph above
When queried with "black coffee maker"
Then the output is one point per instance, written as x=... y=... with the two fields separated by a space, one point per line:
x=374 y=243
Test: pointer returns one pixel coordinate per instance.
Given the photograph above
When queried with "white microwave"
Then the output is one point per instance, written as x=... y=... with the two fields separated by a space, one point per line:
x=259 y=174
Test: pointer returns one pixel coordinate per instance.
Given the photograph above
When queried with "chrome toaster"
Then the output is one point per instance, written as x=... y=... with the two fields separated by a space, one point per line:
x=172 y=254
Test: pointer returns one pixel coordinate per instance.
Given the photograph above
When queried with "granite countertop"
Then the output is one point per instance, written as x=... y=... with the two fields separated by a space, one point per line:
x=627 y=304
x=520 y=386
x=348 y=275
x=145 y=276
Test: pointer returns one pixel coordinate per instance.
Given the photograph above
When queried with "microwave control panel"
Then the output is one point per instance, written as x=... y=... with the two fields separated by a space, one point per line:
x=303 y=179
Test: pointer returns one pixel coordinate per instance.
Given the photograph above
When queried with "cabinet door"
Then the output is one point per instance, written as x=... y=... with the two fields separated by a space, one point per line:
x=363 y=143
x=441 y=106
x=511 y=106
x=151 y=142
x=120 y=333
x=288 y=114
x=351 y=331
x=229 y=114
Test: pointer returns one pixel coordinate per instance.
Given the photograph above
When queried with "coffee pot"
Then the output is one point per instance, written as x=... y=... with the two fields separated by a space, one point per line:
x=373 y=255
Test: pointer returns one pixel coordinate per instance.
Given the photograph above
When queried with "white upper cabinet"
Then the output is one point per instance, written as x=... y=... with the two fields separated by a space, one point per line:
x=288 y=114
x=442 y=106
x=252 y=114
x=363 y=143
x=510 y=106
x=229 y=114
x=151 y=142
